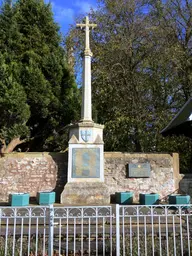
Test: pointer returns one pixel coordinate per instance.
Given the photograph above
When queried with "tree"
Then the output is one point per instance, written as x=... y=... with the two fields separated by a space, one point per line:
x=13 y=107
x=139 y=74
x=124 y=48
x=173 y=18
x=35 y=60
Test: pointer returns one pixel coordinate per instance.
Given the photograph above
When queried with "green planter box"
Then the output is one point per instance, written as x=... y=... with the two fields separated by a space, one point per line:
x=124 y=197
x=45 y=198
x=19 y=199
x=148 y=199
x=179 y=199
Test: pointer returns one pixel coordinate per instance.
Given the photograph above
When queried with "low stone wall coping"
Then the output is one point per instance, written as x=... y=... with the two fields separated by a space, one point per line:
x=143 y=155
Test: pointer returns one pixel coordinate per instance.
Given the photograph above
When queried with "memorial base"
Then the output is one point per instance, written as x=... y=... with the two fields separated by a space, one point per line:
x=85 y=193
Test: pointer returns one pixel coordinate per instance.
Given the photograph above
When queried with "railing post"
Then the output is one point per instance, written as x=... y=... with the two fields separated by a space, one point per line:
x=117 y=231
x=51 y=230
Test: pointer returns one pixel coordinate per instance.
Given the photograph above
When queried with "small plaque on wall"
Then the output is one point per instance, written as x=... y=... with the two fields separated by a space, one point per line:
x=139 y=170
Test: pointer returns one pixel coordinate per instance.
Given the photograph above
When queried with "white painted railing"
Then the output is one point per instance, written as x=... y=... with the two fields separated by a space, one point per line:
x=96 y=230
x=83 y=230
x=23 y=230
x=154 y=230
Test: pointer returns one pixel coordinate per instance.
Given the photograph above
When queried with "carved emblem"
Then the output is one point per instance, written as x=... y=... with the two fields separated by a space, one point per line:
x=85 y=135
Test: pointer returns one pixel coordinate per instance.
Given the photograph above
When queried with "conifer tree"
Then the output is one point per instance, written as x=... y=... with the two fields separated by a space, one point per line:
x=35 y=66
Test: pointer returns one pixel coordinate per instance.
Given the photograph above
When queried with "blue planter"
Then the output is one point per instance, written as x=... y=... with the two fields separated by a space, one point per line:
x=148 y=199
x=45 y=198
x=19 y=199
x=179 y=199
x=124 y=197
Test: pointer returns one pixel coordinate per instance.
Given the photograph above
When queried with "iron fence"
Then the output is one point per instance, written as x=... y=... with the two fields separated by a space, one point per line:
x=84 y=230
x=154 y=230
x=23 y=231
x=96 y=230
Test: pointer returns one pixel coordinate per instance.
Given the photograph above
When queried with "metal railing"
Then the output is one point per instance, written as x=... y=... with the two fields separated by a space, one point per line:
x=154 y=230
x=96 y=230
x=23 y=230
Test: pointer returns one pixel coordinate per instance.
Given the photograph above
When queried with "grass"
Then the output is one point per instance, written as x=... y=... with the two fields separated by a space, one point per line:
x=166 y=247
x=163 y=247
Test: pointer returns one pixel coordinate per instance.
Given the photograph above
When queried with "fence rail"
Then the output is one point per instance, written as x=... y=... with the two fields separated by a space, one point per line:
x=96 y=230
x=155 y=230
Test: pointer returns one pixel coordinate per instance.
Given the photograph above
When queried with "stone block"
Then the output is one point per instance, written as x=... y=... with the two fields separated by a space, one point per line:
x=85 y=193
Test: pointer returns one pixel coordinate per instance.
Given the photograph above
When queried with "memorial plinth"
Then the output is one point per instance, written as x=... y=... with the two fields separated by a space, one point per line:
x=85 y=166
x=85 y=193
x=86 y=153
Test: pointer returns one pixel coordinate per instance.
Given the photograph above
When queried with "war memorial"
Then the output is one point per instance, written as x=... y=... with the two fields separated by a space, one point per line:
x=88 y=175
x=86 y=181
x=86 y=156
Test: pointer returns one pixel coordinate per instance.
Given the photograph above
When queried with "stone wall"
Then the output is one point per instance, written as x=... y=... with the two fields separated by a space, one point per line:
x=164 y=177
x=33 y=172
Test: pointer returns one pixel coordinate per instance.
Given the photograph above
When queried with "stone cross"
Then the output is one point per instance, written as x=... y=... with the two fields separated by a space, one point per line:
x=87 y=25
x=86 y=109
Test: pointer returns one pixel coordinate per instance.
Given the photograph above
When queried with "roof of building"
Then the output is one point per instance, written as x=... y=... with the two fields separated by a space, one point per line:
x=181 y=123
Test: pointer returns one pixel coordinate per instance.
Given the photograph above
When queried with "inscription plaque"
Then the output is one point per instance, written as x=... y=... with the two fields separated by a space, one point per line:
x=85 y=163
x=139 y=170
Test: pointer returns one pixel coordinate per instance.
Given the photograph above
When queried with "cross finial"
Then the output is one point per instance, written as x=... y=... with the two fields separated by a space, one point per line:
x=87 y=25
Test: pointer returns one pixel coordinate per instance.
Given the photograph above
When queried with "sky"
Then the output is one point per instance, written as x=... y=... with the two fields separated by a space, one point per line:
x=65 y=11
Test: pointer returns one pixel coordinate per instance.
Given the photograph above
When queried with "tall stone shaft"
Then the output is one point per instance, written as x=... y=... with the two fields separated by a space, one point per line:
x=86 y=108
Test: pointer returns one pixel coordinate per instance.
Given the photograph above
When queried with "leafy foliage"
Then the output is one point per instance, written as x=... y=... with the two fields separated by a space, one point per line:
x=141 y=72
x=38 y=94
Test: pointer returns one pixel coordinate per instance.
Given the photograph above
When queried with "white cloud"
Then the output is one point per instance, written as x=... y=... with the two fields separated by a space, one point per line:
x=83 y=6
x=62 y=13
x=66 y=15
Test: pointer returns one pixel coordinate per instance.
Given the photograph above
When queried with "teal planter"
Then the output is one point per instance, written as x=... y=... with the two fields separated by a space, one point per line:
x=45 y=198
x=124 y=197
x=179 y=199
x=19 y=199
x=148 y=199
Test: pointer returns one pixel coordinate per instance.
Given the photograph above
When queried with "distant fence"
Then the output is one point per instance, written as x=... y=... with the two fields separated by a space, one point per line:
x=96 y=230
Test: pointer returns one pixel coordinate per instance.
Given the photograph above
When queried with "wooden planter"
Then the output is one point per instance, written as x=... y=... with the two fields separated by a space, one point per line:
x=124 y=197
x=19 y=199
x=46 y=198
x=148 y=199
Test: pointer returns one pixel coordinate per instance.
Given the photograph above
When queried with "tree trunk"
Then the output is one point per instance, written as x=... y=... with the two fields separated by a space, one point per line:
x=12 y=145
